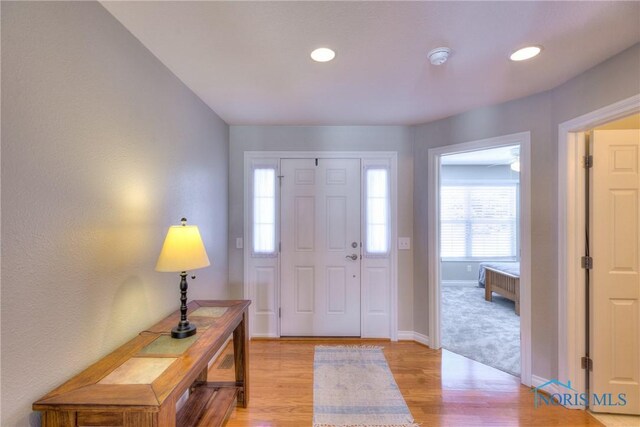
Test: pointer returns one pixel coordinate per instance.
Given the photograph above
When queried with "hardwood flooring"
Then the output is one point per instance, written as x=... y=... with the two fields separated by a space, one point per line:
x=441 y=388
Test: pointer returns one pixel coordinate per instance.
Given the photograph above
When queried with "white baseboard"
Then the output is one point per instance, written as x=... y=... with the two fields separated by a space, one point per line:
x=413 y=336
x=456 y=283
x=405 y=335
x=422 y=339
x=402 y=336
x=267 y=335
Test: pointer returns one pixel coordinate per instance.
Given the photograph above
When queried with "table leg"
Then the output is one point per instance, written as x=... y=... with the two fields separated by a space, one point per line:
x=241 y=358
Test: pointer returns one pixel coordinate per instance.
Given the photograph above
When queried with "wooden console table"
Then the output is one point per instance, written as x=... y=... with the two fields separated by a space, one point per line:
x=139 y=383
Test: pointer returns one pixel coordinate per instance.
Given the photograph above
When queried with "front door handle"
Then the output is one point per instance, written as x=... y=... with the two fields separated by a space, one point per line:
x=352 y=257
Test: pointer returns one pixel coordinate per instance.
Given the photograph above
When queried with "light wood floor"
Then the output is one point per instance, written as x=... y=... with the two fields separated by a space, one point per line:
x=440 y=388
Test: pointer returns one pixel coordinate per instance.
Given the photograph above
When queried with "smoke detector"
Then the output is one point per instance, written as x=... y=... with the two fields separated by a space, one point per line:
x=439 y=55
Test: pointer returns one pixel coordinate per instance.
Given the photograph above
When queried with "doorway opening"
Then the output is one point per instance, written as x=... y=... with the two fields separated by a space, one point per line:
x=479 y=257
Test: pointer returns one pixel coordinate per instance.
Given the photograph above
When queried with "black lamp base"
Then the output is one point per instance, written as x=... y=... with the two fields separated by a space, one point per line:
x=184 y=328
x=178 y=332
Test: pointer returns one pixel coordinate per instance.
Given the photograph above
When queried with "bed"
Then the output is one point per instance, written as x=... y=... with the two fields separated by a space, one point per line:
x=502 y=278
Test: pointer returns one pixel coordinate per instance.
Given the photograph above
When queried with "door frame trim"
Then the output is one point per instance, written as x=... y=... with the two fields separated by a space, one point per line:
x=571 y=245
x=434 y=154
x=392 y=157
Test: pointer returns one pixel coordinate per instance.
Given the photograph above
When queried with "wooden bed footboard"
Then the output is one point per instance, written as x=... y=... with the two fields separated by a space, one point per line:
x=504 y=284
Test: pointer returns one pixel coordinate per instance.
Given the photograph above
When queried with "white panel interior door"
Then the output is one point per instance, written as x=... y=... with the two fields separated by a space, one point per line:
x=320 y=225
x=615 y=290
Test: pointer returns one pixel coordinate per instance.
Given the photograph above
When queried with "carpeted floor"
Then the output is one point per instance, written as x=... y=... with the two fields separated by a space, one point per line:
x=488 y=332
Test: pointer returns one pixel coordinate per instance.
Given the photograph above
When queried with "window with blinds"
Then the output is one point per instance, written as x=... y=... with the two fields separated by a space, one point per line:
x=479 y=222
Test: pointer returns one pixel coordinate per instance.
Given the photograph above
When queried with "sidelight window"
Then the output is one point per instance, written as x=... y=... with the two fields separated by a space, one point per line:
x=377 y=211
x=264 y=211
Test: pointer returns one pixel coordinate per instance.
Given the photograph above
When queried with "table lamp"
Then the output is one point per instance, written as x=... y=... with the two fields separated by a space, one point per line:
x=182 y=250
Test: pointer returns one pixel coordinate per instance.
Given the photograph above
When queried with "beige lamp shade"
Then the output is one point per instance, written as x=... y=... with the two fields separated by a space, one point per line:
x=183 y=250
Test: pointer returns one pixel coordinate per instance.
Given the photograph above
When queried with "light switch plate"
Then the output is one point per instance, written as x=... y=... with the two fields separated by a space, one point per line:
x=239 y=243
x=404 y=243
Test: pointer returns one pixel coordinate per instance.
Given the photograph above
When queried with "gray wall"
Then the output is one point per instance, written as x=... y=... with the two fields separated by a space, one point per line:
x=102 y=149
x=326 y=138
x=614 y=80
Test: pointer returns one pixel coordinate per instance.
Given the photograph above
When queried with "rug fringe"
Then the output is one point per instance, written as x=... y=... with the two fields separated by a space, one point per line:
x=354 y=346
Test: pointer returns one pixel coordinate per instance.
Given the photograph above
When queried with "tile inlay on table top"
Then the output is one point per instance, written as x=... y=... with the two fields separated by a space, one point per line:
x=208 y=312
x=164 y=344
x=138 y=370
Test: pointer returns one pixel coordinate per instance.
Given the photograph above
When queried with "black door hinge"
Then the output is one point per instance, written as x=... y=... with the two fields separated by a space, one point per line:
x=586 y=262
x=586 y=363
x=280 y=312
x=588 y=161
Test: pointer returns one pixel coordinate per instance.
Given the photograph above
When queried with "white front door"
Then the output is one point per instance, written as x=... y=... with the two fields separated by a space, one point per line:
x=320 y=253
x=615 y=290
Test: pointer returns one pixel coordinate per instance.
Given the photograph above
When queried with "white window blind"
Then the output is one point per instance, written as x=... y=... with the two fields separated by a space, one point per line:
x=479 y=221
x=377 y=215
x=264 y=211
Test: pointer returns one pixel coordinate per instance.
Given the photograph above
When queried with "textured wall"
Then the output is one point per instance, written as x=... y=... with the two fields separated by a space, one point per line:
x=326 y=138
x=102 y=149
x=611 y=81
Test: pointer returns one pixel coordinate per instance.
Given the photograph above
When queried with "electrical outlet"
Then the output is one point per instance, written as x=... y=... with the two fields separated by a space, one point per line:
x=469 y=268
x=239 y=243
x=404 y=243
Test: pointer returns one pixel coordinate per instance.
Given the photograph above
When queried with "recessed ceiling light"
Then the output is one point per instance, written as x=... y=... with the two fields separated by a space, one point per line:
x=323 y=54
x=525 y=53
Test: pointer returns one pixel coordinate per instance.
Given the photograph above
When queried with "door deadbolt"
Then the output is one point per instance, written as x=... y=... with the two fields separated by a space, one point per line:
x=354 y=245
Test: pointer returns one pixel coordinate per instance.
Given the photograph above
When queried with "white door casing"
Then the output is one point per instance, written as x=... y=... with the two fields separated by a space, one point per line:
x=571 y=242
x=523 y=139
x=615 y=249
x=320 y=254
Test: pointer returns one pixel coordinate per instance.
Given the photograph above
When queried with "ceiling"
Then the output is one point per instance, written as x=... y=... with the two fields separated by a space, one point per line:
x=488 y=157
x=249 y=61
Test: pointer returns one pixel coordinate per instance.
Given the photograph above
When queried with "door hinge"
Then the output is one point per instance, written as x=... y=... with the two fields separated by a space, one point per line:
x=586 y=262
x=586 y=363
x=280 y=313
x=588 y=161
x=279 y=246
x=280 y=179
